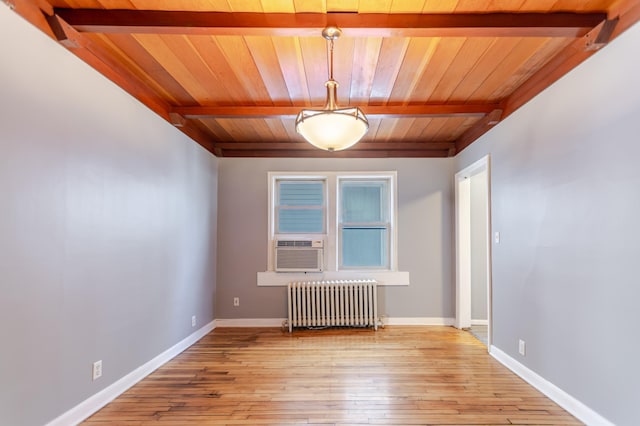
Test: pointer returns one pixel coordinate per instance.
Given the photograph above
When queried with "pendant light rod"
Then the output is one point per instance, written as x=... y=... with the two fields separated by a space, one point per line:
x=331 y=59
x=330 y=34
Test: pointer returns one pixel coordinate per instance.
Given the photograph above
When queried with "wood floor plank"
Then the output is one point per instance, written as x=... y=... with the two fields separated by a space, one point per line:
x=397 y=375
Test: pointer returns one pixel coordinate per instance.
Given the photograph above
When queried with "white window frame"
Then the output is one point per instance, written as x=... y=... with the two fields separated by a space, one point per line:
x=390 y=224
x=273 y=178
x=332 y=268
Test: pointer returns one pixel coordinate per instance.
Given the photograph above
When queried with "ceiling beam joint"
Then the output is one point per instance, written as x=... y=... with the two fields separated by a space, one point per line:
x=177 y=119
x=63 y=33
x=600 y=36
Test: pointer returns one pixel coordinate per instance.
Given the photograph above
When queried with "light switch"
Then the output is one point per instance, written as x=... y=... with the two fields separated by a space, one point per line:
x=497 y=237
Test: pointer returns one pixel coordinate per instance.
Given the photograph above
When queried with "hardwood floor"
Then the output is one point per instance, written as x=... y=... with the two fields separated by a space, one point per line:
x=480 y=332
x=397 y=375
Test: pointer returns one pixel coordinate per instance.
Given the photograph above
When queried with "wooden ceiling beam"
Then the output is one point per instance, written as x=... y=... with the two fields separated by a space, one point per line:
x=480 y=128
x=361 y=146
x=34 y=11
x=566 y=60
x=348 y=153
x=499 y=24
x=624 y=14
x=202 y=138
x=26 y=7
x=627 y=12
x=380 y=111
x=104 y=62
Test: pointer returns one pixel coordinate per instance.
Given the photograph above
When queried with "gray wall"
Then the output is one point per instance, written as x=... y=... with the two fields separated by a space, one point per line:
x=107 y=229
x=566 y=200
x=424 y=235
x=479 y=246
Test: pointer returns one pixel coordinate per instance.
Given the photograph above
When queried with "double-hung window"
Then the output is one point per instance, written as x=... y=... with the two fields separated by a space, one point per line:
x=364 y=227
x=350 y=215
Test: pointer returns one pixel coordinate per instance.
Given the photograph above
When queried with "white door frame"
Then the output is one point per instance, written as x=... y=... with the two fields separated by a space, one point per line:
x=463 y=243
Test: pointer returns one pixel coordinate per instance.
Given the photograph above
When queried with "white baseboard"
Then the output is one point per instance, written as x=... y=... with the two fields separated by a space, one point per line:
x=95 y=402
x=417 y=321
x=479 y=322
x=557 y=395
x=278 y=322
x=249 y=322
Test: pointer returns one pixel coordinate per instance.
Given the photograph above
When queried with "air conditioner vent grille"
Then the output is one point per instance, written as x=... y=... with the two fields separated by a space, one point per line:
x=294 y=243
x=306 y=260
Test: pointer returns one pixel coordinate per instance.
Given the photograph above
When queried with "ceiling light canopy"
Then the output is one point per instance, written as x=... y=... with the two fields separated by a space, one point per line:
x=332 y=128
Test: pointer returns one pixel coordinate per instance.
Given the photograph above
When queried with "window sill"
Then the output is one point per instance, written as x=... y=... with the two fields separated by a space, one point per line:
x=384 y=278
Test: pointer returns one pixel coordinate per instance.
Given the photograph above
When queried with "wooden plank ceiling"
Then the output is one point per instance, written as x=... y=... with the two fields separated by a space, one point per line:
x=432 y=76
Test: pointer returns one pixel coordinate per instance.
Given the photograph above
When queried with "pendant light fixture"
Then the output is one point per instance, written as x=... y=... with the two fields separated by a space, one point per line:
x=332 y=128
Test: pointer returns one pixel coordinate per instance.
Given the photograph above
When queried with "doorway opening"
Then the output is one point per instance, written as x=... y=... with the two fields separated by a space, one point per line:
x=473 y=250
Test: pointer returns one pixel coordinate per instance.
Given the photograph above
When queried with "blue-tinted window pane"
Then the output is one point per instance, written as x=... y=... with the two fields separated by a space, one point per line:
x=300 y=207
x=300 y=193
x=364 y=247
x=363 y=202
x=300 y=221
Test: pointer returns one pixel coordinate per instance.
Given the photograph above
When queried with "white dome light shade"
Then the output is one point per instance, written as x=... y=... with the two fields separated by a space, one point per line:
x=332 y=130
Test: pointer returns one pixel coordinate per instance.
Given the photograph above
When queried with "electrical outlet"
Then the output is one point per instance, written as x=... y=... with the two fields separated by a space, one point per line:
x=521 y=347
x=193 y=321
x=97 y=370
x=236 y=301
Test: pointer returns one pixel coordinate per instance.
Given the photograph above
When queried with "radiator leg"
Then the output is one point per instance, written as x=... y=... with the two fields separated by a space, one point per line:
x=289 y=307
x=375 y=307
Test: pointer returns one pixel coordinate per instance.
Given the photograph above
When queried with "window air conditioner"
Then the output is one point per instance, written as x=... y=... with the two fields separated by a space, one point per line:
x=299 y=255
